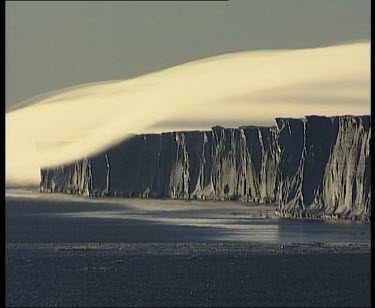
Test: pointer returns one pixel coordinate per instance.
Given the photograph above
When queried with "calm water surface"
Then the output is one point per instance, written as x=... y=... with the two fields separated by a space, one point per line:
x=44 y=267
x=30 y=214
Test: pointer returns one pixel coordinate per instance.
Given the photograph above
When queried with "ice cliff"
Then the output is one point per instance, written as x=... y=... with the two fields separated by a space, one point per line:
x=316 y=167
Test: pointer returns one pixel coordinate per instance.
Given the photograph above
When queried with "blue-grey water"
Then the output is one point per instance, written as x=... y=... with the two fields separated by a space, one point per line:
x=152 y=219
x=71 y=251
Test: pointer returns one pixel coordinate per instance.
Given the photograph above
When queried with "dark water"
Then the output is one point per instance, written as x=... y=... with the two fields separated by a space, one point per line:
x=56 y=220
x=44 y=267
x=113 y=279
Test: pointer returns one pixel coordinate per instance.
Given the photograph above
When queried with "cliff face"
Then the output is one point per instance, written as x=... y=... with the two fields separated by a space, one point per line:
x=313 y=167
x=324 y=169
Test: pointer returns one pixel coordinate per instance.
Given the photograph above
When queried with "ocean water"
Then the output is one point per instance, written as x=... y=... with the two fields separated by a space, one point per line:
x=30 y=213
x=69 y=251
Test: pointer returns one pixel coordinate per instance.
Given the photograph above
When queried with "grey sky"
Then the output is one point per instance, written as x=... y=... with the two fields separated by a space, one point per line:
x=52 y=45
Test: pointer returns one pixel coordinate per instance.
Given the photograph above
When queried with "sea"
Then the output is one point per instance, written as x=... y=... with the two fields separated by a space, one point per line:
x=64 y=250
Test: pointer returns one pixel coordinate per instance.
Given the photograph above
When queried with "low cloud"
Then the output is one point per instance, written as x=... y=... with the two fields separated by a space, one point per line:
x=246 y=88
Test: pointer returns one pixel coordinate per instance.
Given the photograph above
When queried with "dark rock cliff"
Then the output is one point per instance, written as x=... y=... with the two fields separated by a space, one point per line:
x=316 y=167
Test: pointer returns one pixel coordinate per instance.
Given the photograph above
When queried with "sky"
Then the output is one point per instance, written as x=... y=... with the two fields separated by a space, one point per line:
x=53 y=45
x=122 y=68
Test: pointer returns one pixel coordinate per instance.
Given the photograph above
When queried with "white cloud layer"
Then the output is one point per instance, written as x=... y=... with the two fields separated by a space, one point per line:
x=231 y=90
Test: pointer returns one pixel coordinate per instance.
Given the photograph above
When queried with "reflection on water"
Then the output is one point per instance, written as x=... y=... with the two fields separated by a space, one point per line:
x=256 y=223
x=224 y=221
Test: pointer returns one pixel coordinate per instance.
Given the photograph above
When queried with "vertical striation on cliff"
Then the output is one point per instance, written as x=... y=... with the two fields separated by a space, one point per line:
x=324 y=168
x=315 y=167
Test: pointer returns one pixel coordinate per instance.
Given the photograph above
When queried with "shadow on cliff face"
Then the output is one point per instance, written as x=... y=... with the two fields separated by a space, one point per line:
x=320 y=136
